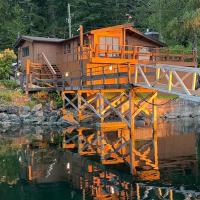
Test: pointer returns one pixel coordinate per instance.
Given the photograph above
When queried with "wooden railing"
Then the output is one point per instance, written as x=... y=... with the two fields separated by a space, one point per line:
x=133 y=54
x=141 y=54
x=47 y=62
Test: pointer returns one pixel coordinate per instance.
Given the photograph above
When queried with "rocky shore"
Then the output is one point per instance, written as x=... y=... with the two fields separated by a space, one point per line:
x=46 y=115
x=38 y=115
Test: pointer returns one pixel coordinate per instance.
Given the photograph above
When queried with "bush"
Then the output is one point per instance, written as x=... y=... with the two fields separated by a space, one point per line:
x=5 y=96
x=7 y=57
x=57 y=98
x=9 y=84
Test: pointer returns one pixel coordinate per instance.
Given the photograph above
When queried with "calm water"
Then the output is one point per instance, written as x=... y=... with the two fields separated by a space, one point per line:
x=33 y=165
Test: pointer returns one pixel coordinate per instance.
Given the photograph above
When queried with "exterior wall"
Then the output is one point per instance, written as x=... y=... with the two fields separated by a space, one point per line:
x=51 y=50
x=20 y=56
x=71 y=59
x=133 y=39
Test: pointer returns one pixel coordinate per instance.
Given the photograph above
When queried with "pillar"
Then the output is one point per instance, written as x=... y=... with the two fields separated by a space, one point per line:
x=155 y=132
x=132 y=132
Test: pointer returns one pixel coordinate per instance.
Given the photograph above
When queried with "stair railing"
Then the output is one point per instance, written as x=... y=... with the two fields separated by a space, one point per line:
x=49 y=65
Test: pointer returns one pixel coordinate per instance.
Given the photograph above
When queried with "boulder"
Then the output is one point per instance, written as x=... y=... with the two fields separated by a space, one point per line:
x=37 y=107
x=14 y=118
x=24 y=110
x=4 y=117
x=53 y=118
x=52 y=105
x=9 y=109
x=38 y=113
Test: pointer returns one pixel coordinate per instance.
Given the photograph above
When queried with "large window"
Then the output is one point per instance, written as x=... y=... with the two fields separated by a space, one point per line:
x=109 y=43
x=25 y=51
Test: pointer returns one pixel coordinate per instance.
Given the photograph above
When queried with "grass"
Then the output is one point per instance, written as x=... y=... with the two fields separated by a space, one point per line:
x=11 y=94
x=9 y=84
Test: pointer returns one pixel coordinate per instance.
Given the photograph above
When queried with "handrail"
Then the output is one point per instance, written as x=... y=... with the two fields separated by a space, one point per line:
x=125 y=51
x=48 y=64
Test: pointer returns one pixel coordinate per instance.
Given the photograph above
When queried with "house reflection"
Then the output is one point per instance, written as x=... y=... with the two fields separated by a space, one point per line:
x=177 y=154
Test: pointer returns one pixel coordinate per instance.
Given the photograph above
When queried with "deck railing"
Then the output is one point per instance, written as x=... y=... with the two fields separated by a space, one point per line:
x=142 y=53
x=133 y=54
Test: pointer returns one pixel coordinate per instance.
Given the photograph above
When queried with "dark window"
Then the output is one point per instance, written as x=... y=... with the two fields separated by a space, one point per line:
x=67 y=48
x=25 y=51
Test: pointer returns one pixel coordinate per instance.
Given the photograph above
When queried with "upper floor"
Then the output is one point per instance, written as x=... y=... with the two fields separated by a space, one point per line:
x=111 y=45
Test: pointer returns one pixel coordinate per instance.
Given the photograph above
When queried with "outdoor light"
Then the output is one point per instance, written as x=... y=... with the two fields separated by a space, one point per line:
x=110 y=67
x=112 y=190
x=18 y=74
x=67 y=74
x=68 y=165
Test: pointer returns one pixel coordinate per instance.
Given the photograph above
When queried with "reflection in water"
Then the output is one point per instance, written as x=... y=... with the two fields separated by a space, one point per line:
x=36 y=166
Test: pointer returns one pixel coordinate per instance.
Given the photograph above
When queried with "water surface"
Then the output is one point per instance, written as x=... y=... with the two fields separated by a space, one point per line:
x=33 y=165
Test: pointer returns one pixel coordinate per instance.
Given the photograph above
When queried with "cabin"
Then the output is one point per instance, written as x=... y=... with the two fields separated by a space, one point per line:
x=101 y=51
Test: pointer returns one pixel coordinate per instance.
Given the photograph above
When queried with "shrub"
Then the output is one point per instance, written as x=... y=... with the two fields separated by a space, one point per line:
x=9 y=84
x=7 y=57
x=55 y=95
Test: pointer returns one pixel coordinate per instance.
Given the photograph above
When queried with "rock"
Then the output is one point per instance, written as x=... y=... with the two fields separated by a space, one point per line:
x=24 y=117
x=37 y=107
x=24 y=110
x=38 y=114
x=63 y=122
x=4 y=117
x=14 y=119
x=53 y=113
x=6 y=125
x=52 y=105
x=9 y=109
x=53 y=118
x=38 y=130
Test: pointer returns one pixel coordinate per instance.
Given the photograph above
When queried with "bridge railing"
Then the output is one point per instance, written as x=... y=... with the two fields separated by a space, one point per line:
x=181 y=81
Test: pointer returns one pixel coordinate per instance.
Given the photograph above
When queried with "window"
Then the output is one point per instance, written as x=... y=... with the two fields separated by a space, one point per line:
x=25 y=51
x=67 y=48
x=109 y=43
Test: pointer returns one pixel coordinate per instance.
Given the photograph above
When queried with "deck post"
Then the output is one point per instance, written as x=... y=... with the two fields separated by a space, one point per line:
x=80 y=138
x=81 y=54
x=132 y=132
x=155 y=133
x=101 y=106
x=28 y=65
x=79 y=106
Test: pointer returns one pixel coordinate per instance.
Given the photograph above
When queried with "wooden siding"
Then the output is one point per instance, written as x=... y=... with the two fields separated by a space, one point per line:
x=51 y=50
x=133 y=39
x=20 y=52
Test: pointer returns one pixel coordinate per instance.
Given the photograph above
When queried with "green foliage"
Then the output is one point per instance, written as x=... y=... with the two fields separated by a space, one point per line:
x=9 y=84
x=5 y=96
x=177 y=21
x=7 y=57
x=57 y=98
x=9 y=171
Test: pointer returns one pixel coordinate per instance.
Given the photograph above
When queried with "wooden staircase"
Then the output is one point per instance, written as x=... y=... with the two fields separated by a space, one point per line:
x=47 y=72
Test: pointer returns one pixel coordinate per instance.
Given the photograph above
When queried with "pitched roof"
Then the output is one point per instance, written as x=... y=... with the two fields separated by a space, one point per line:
x=38 y=39
x=136 y=31
x=130 y=27
x=58 y=40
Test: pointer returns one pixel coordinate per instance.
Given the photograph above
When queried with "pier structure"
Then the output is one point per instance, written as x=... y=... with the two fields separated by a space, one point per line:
x=109 y=81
